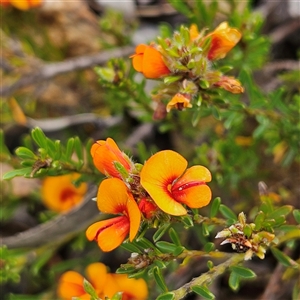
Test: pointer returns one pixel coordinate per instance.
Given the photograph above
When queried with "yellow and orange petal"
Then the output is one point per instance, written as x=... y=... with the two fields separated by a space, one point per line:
x=96 y=274
x=230 y=84
x=194 y=32
x=223 y=39
x=109 y=233
x=105 y=153
x=25 y=4
x=191 y=188
x=70 y=285
x=60 y=194
x=114 y=197
x=179 y=101
x=149 y=61
x=157 y=177
x=133 y=289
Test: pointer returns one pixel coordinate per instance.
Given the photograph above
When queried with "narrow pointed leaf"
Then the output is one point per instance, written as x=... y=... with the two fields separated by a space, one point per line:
x=159 y=279
x=234 y=281
x=215 y=207
x=203 y=292
x=227 y=212
x=160 y=232
x=243 y=272
x=174 y=237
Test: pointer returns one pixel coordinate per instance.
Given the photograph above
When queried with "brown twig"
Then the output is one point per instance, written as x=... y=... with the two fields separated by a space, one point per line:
x=59 y=228
x=51 y=70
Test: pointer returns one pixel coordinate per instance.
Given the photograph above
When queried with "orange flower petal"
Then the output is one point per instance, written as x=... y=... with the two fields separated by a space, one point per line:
x=191 y=189
x=194 y=197
x=149 y=61
x=70 y=285
x=112 y=196
x=179 y=102
x=134 y=215
x=158 y=173
x=59 y=193
x=137 y=62
x=109 y=233
x=132 y=288
x=223 y=39
x=153 y=64
x=111 y=287
x=194 y=32
x=96 y=274
x=105 y=153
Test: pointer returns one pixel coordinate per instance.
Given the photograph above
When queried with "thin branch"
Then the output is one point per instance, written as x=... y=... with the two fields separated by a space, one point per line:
x=59 y=228
x=51 y=70
x=208 y=277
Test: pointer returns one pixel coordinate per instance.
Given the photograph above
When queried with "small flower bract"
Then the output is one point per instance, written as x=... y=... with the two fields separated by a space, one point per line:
x=170 y=184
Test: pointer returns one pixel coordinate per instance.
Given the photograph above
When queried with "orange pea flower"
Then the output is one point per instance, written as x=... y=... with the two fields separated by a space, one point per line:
x=179 y=101
x=105 y=154
x=149 y=61
x=60 y=194
x=230 y=84
x=113 y=197
x=223 y=39
x=21 y=4
x=105 y=284
x=170 y=184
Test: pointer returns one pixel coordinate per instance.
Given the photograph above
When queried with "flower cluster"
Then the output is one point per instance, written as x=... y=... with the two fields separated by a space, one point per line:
x=105 y=284
x=162 y=186
x=185 y=64
x=244 y=238
x=21 y=4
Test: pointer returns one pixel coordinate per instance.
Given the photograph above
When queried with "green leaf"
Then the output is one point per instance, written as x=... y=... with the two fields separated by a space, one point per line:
x=117 y=296
x=39 y=137
x=160 y=232
x=259 y=219
x=179 y=5
x=203 y=292
x=78 y=148
x=130 y=247
x=227 y=212
x=58 y=150
x=144 y=243
x=70 y=148
x=90 y=289
x=174 y=236
x=171 y=79
x=234 y=281
x=247 y=230
x=243 y=272
x=296 y=214
x=208 y=247
x=25 y=153
x=17 y=172
x=166 y=247
x=281 y=211
x=187 y=221
x=205 y=230
x=166 y=296
x=159 y=279
x=178 y=250
x=215 y=207
x=283 y=258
